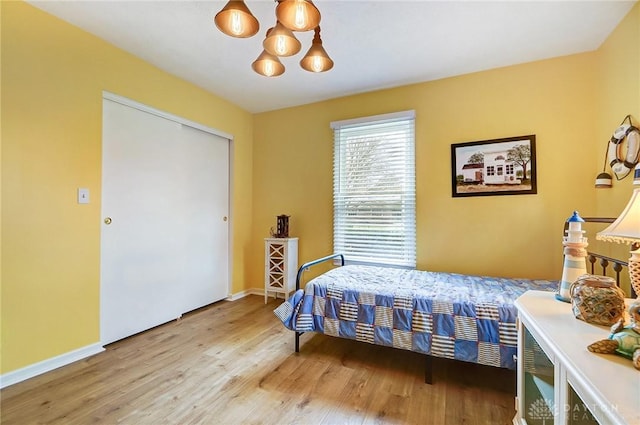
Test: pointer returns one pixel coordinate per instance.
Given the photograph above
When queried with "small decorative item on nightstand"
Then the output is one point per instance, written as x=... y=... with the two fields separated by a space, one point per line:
x=575 y=252
x=597 y=300
x=282 y=227
x=624 y=340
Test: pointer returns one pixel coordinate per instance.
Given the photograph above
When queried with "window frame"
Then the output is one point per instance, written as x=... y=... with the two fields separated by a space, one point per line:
x=405 y=197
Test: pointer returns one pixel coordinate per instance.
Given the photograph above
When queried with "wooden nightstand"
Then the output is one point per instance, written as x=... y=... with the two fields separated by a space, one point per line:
x=559 y=380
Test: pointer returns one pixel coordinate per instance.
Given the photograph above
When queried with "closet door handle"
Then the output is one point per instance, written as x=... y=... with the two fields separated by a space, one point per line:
x=107 y=220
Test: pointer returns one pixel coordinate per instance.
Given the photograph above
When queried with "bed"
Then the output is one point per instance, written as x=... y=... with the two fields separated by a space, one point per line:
x=448 y=315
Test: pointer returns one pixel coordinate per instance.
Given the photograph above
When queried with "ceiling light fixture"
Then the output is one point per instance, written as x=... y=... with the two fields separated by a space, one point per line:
x=316 y=59
x=298 y=15
x=268 y=65
x=236 y=20
x=281 y=42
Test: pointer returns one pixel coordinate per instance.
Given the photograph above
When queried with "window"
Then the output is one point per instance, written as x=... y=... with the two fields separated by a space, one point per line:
x=491 y=171
x=374 y=195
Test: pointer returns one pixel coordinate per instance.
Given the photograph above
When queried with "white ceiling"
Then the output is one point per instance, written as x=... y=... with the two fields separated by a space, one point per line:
x=374 y=44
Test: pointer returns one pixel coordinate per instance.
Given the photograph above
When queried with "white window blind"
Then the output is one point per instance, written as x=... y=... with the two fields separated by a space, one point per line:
x=374 y=195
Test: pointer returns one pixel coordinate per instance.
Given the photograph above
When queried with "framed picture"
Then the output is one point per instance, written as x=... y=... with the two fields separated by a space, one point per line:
x=494 y=167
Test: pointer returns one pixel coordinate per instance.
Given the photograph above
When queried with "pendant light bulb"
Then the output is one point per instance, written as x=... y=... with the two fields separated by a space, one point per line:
x=268 y=65
x=281 y=42
x=316 y=59
x=298 y=15
x=236 y=20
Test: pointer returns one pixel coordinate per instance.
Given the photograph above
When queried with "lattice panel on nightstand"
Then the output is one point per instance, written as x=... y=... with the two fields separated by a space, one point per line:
x=276 y=282
x=276 y=251
x=276 y=265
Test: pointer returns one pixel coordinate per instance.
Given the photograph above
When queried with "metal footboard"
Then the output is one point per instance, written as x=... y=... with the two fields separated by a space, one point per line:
x=301 y=270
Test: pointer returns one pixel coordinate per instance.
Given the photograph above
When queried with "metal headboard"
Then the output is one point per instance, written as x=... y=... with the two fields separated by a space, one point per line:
x=598 y=263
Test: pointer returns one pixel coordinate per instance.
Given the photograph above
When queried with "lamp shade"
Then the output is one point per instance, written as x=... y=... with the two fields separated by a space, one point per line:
x=316 y=59
x=268 y=65
x=298 y=15
x=235 y=19
x=280 y=41
x=626 y=228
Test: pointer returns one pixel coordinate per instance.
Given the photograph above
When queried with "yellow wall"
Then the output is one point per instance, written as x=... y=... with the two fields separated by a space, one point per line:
x=0 y=203
x=516 y=235
x=618 y=91
x=618 y=96
x=572 y=104
x=53 y=75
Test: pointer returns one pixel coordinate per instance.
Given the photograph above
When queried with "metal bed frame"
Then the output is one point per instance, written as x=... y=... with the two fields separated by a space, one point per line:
x=603 y=261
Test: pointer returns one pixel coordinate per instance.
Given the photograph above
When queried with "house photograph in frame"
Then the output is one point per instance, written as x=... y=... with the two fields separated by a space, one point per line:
x=494 y=167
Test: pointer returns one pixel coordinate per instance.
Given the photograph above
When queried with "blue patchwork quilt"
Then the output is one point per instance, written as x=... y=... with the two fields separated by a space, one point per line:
x=469 y=318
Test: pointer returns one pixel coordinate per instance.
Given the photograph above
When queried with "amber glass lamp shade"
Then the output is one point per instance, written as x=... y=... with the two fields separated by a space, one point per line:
x=280 y=41
x=268 y=65
x=236 y=20
x=298 y=15
x=316 y=59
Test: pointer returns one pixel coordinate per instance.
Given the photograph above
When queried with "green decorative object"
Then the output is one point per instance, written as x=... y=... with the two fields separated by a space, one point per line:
x=624 y=340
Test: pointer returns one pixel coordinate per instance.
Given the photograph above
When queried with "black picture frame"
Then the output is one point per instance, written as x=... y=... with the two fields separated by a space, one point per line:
x=494 y=167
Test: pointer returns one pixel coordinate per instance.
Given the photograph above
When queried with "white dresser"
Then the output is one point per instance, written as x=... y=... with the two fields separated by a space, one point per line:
x=561 y=382
x=280 y=266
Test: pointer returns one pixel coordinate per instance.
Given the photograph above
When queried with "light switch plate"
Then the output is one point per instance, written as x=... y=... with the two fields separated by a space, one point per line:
x=83 y=195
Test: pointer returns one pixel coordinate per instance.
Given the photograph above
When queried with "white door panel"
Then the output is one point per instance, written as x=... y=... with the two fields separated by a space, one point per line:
x=165 y=189
x=206 y=244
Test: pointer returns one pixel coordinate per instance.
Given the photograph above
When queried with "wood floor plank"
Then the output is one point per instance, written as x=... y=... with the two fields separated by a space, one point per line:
x=234 y=363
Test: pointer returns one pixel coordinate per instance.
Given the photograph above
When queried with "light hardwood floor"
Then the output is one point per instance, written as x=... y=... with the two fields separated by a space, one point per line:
x=233 y=363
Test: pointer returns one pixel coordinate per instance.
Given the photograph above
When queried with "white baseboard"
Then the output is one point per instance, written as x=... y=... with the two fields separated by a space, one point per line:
x=252 y=291
x=242 y=294
x=39 y=368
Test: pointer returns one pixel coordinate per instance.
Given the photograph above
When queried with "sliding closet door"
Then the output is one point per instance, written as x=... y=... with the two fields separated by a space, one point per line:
x=164 y=239
x=205 y=195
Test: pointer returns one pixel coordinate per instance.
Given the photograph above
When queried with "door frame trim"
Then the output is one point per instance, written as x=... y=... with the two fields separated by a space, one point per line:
x=145 y=108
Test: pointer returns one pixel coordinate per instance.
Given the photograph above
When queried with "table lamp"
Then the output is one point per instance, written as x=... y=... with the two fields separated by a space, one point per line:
x=626 y=229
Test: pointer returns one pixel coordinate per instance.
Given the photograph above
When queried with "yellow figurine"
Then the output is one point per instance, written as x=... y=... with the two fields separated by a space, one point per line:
x=624 y=340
